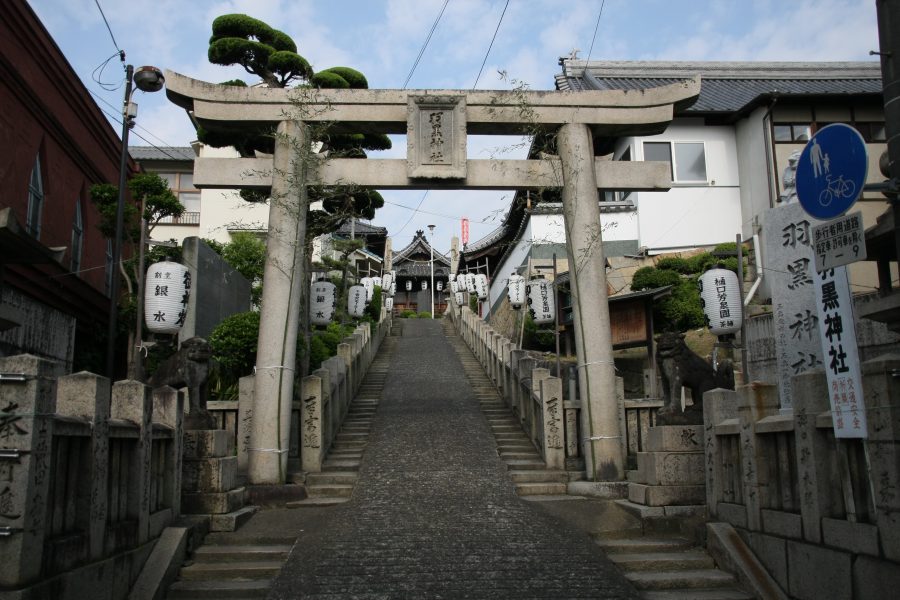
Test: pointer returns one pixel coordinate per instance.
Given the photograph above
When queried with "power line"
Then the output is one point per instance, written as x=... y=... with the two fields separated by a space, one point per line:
x=486 y=54
x=109 y=29
x=164 y=142
x=596 y=27
x=425 y=195
x=116 y=120
x=425 y=45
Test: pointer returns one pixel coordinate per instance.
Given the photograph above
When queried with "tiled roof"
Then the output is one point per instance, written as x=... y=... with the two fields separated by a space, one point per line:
x=726 y=87
x=140 y=153
x=360 y=228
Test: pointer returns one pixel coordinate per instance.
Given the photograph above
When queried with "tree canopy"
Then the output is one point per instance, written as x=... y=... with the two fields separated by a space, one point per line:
x=271 y=55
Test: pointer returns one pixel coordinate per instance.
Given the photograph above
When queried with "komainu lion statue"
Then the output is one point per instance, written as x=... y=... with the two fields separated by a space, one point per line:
x=189 y=368
x=680 y=366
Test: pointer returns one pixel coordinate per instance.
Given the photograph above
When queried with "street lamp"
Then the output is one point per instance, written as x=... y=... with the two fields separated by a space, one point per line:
x=431 y=245
x=146 y=79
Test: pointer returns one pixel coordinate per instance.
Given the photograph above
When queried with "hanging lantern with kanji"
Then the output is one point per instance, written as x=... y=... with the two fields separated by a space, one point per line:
x=409 y=285
x=460 y=298
x=481 y=286
x=439 y=285
x=356 y=301
x=541 y=303
x=369 y=284
x=389 y=304
x=323 y=300
x=166 y=293
x=470 y=282
x=454 y=287
x=387 y=282
x=721 y=301
x=424 y=285
x=515 y=291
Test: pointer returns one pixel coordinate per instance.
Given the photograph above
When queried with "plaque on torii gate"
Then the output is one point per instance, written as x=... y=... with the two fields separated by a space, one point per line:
x=441 y=119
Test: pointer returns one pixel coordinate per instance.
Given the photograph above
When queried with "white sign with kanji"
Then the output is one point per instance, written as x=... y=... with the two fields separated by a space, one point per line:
x=839 y=242
x=840 y=354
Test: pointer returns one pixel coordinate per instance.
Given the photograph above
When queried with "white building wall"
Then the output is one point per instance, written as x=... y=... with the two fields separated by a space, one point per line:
x=224 y=211
x=693 y=215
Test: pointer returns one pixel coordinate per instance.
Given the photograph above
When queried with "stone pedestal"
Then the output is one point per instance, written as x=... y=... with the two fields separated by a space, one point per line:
x=671 y=470
x=209 y=481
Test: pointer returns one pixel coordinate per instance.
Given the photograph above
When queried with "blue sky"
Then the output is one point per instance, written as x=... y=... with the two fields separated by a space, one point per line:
x=383 y=38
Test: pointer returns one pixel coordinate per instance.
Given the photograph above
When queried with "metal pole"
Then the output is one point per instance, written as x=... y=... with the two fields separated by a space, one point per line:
x=431 y=246
x=556 y=317
x=136 y=371
x=117 y=241
x=888 y=13
x=740 y=266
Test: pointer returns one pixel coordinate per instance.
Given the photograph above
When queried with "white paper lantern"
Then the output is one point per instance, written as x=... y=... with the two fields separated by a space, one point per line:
x=721 y=301
x=378 y=282
x=322 y=302
x=409 y=285
x=393 y=288
x=460 y=298
x=541 y=303
x=481 y=286
x=470 y=282
x=387 y=282
x=369 y=284
x=424 y=285
x=166 y=291
x=439 y=286
x=389 y=304
x=515 y=291
x=451 y=277
x=454 y=287
x=356 y=301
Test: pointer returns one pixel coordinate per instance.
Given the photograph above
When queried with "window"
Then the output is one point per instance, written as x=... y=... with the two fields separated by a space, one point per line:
x=688 y=159
x=611 y=196
x=792 y=132
x=77 y=236
x=182 y=185
x=871 y=131
x=35 y=200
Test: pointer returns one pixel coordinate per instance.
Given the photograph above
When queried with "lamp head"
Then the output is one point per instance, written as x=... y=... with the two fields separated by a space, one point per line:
x=149 y=79
x=431 y=228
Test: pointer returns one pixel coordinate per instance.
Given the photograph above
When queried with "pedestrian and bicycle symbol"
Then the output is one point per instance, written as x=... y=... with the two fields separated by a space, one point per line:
x=832 y=171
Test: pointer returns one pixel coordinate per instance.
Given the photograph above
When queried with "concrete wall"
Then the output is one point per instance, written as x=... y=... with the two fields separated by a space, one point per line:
x=218 y=290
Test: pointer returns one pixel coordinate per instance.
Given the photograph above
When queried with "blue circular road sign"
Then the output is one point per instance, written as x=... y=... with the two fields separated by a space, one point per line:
x=832 y=171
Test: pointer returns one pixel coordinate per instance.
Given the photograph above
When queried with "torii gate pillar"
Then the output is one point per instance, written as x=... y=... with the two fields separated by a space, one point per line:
x=587 y=274
x=284 y=275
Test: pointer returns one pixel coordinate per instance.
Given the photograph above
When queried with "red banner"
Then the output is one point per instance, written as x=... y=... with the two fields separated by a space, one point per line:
x=465 y=231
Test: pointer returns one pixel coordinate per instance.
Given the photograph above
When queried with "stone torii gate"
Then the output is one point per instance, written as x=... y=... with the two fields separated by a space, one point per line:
x=436 y=123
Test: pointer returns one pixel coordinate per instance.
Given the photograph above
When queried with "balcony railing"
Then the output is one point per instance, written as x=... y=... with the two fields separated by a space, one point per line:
x=186 y=218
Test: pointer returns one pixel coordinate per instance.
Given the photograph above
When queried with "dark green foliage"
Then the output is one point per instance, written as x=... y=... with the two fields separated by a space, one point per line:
x=673 y=263
x=408 y=314
x=159 y=202
x=324 y=79
x=647 y=278
x=216 y=246
x=247 y=254
x=537 y=339
x=473 y=303
x=373 y=310
x=354 y=78
x=235 y=83
x=424 y=315
x=324 y=343
x=233 y=344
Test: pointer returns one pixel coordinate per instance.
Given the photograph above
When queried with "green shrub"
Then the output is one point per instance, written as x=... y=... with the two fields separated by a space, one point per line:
x=324 y=342
x=424 y=315
x=647 y=278
x=537 y=339
x=674 y=263
x=373 y=310
x=408 y=314
x=233 y=343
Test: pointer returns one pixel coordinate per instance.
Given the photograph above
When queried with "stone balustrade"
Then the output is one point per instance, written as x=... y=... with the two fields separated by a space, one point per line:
x=320 y=404
x=804 y=501
x=91 y=475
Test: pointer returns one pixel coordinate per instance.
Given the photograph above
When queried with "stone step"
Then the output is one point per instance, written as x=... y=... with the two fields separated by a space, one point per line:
x=642 y=544
x=512 y=454
x=357 y=444
x=332 y=477
x=263 y=569
x=538 y=476
x=698 y=594
x=351 y=437
x=257 y=588
x=525 y=463
x=663 y=561
x=231 y=553
x=540 y=489
x=341 y=464
x=682 y=580
x=337 y=490
x=345 y=453
x=241 y=538
x=315 y=502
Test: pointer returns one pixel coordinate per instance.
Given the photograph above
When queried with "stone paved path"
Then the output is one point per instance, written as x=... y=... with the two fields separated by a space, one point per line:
x=434 y=514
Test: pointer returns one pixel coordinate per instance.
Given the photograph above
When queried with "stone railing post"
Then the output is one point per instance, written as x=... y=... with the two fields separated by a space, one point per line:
x=312 y=424
x=26 y=414
x=345 y=353
x=536 y=415
x=882 y=389
x=87 y=396
x=718 y=405
x=245 y=418
x=552 y=403
x=133 y=401
x=331 y=410
x=817 y=492
x=168 y=410
x=756 y=401
x=515 y=390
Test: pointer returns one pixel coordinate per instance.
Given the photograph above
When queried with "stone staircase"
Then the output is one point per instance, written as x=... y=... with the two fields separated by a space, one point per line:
x=230 y=565
x=340 y=469
x=526 y=467
x=669 y=568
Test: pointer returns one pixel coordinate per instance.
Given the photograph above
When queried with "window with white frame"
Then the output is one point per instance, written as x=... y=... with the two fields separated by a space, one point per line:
x=182 y=185
x=35 y=200
x=688 y=159
x=77 y=236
